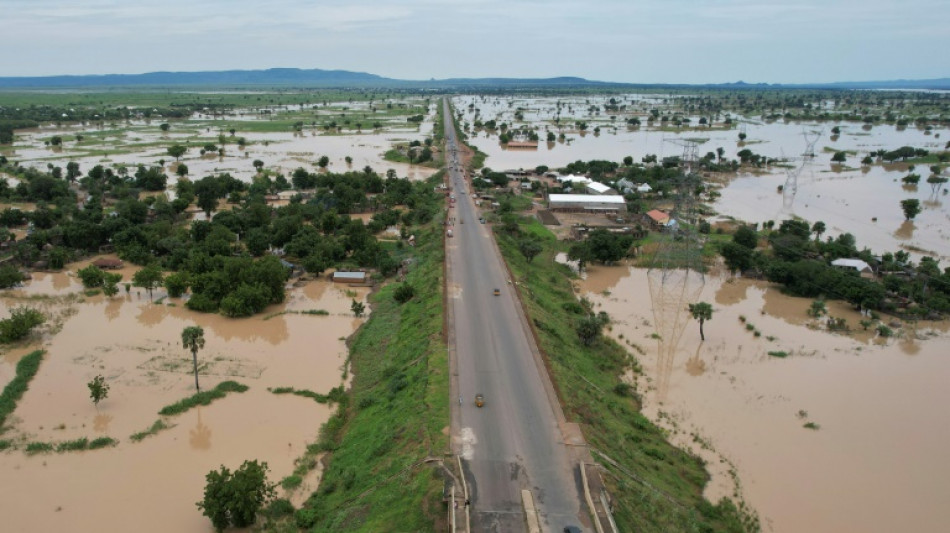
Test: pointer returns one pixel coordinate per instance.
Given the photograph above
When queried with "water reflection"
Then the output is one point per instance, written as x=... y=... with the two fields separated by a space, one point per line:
x=199 y=438
x=905 y=231
x=101 y=422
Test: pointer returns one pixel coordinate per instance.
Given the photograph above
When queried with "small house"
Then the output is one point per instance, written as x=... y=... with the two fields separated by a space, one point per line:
x=659 y=218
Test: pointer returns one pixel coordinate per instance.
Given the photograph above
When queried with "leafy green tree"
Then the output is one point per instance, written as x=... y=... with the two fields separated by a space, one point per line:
x=10 y=276
x=177 y=150
x=839 y=157
x=193 y=338
x=738 y=258
x=148 y=278
x=817 y=309
x=91 y=276
x=182 y=170
x=176 y=284
x=234 y=499
x=746 y=236
x=701 y=311
x=98 y=389
x=323 y=161
x=935 y=182
x=911 y=208
x=164 y=127
x=818 y=228
x=529 y=248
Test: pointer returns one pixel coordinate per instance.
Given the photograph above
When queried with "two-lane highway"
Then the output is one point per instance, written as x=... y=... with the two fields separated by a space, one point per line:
x=514 y=442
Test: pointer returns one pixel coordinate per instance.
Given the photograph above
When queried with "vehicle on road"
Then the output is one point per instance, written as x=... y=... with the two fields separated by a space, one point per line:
x=496 y=292
x=449 y=233
x=482 y=220
x=479 y=400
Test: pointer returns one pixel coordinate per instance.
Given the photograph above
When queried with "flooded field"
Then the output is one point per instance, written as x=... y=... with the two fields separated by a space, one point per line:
x=143 y=142
x=876 y=460
x=864 y=201
x=135 y=343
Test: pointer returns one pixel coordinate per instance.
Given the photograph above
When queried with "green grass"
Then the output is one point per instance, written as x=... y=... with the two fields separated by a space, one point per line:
x=780 y=354
x=157 y=426
x=655 y=486
x=202 y=398
x=395 y=414
x=25 y=370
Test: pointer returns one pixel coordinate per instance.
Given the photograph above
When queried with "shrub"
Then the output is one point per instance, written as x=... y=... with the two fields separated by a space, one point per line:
x=21 y=322
x=404 y=293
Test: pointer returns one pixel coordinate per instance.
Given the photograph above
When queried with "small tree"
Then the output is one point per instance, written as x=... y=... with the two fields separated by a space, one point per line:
x=358 y=308
x=529 y=248
x=701 y=311
x=839 y=157
x=164 y=127
x=193 y=338
x=911 y=208
x=98 y=389
x=148 y=278
x=235 y=499
x=176 y=151
x=818 y=228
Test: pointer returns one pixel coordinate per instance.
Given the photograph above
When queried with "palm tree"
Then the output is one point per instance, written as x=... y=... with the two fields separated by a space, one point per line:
x=701 y=311
x=193 y=338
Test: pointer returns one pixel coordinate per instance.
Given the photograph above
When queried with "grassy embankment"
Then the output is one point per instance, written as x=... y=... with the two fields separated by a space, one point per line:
x=655 y=486
x=395 y=415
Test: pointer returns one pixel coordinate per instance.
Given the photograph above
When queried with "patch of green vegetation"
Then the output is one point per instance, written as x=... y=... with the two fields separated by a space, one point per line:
x=157 y=426
x=811 y=425
x=656 y=486
x=394 y=416
x=39 y=447
x=202 y=398
x=291 y=482
x=5 y=444
x=26 y=368
x=777 y=353
x=337 y=394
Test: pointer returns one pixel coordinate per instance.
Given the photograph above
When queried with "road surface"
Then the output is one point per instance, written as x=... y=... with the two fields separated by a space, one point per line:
x=515 y=441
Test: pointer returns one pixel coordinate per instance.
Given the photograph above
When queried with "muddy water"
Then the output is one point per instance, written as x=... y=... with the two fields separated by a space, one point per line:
x=135 y=344
x=878 y=461
x=864 y=202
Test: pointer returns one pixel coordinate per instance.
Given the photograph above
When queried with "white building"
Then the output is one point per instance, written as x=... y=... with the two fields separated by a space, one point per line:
x=587 y=202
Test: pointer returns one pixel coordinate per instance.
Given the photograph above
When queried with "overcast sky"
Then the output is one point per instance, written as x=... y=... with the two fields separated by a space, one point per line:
x=650 y=41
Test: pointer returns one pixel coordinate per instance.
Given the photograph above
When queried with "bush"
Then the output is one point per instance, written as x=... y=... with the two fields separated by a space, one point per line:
x=404 y=293
x=21 y=322
x=202 y=398
x=279 y=508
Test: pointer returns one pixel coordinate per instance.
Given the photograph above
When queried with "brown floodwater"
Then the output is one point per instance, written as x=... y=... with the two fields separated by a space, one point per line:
x=877 y=463
x=136 y=345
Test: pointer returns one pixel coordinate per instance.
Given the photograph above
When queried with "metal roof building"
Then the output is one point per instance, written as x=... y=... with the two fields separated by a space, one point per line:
x=586 y=202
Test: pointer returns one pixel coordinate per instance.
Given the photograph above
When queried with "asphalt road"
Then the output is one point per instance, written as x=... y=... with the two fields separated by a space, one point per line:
x=514 y=442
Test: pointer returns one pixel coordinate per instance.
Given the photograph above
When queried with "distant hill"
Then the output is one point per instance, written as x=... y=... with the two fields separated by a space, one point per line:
x=294 y=77
x=233 y=78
